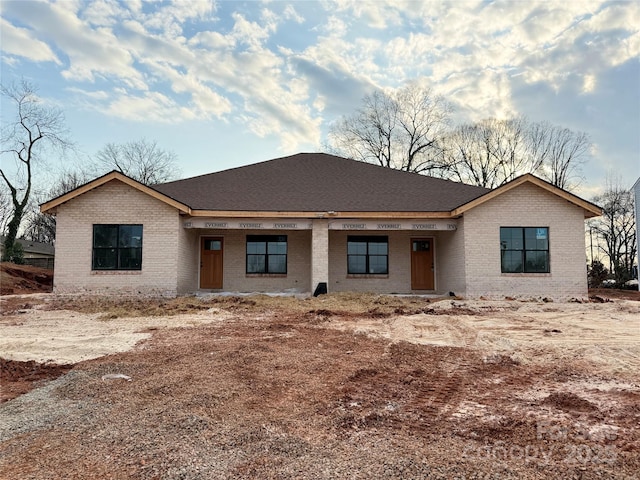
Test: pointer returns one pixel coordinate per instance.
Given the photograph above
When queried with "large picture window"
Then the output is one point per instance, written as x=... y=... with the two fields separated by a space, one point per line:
x=368 y=255
x=117 y=247
x=267 y=254
x=524 y=249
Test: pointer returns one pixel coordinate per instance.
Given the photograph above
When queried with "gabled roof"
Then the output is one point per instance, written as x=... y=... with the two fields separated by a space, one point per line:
x=590 y=209
x=49 y=207
x=318 y=182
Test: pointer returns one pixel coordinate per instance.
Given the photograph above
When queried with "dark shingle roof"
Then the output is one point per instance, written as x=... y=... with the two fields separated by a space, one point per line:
x=29 y=246
x=312 y=182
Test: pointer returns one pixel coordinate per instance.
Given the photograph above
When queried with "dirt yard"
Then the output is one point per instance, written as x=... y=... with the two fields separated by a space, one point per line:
x=339 y=386
x=20 y=279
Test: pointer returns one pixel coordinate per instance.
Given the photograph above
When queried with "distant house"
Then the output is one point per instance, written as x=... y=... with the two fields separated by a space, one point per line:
x=313 y=222
x=37 y=254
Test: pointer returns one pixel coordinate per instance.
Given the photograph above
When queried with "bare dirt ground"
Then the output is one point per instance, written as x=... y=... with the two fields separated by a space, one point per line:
x=339 y=386
x=19 y=279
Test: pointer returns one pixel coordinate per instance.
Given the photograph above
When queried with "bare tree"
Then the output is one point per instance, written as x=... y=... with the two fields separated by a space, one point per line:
x=5 y=210
x=492 y=152
x=557 y=153
x=616 y=230
x=409 y=130
x=41 y=227
x=404 y=130
x=141 y=160
x=488 y=153
x=35 y=127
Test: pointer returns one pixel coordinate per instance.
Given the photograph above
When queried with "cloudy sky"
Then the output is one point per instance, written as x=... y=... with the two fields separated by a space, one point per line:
x=227 y=83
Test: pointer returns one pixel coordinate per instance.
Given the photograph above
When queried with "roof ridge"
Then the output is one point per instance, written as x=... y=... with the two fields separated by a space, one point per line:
x=329 y=155
x=239 y=167
x=317 y=182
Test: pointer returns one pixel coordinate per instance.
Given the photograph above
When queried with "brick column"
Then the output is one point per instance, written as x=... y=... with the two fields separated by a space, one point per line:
x=319 y=253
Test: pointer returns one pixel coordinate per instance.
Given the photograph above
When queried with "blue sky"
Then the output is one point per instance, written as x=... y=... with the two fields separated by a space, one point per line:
x=224 y=84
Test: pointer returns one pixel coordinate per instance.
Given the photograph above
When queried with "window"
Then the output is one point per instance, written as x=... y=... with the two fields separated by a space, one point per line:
x=266 y=254
x=212 y=244
x=524 y=249
x=368 y=255
x=117 y=247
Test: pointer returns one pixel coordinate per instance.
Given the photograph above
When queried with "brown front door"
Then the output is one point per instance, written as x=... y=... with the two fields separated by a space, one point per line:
x=422 y=264
x=211 y=262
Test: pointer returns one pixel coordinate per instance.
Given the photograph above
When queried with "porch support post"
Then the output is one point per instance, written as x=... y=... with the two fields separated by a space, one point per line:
x=319 y=253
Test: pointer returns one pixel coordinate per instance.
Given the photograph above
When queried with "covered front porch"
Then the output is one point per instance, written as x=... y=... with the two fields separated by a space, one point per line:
x=298 y=255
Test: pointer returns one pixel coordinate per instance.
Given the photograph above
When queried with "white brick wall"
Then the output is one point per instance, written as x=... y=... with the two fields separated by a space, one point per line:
x=116 y=203
x=450 y=261
x=235 y=279
x=399 y=265
x=299 y=270
x=525 y=206
x=467 y=261
x=319 y=253
x=188 y=260
x=447 y=275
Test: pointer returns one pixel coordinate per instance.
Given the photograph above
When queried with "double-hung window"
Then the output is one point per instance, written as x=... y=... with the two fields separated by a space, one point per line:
x=267 y=254
x=368 y=255
x=117 y=247
x=524 y=249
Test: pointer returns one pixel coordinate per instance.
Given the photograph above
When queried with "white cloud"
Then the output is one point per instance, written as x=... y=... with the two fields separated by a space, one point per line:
x=589 y=84
x=249 y=33
x=148 y=107
x=22 y=42
x=210 y=67
x=177 y=61
x=102 y=13
x=472 y=49
x=613 y=33
x=212 y=40
x=290 y=13
x=94 y=94
x=378 y=15
x=334 y=27
x=170 y=18
x=9 y=60
x=90 y=51
x=204 y=102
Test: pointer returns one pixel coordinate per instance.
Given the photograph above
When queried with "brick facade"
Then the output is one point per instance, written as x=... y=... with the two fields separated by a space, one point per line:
x=117 y=203
x=319 y=253
x=466 y=260
x=235 y=278
x=399 y=278
x=525 y=206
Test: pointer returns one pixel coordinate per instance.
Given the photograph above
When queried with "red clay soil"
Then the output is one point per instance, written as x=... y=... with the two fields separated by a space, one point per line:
x=24 y=279
x=274 y=395
x=17 y=377
x=614 y=294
